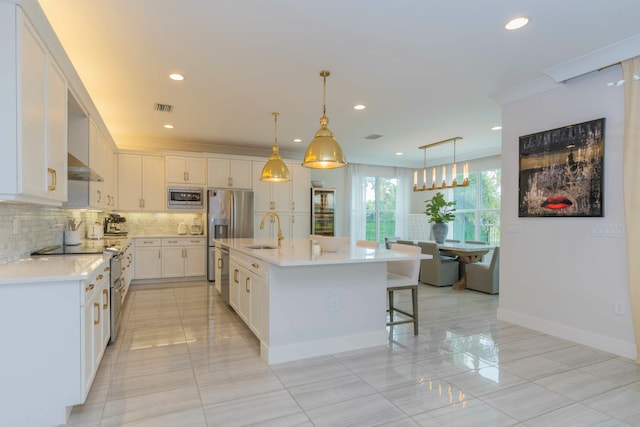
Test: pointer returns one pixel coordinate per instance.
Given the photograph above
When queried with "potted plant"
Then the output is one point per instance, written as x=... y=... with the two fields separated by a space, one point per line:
x=439 y=212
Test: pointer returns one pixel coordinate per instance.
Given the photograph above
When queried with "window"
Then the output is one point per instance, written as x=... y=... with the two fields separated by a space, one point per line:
x=380 y=203
x=478 y=208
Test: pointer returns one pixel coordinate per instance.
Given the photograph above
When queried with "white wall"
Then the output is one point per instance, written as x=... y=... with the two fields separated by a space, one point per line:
x=555 y=277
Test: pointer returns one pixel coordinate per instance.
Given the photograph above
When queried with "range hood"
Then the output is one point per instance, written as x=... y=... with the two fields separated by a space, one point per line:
x=78 y=171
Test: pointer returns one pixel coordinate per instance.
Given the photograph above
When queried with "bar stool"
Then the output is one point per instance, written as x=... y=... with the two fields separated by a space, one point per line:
x=403 y=276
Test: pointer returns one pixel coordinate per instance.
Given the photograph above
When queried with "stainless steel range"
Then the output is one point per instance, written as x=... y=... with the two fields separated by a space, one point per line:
x=118 y=288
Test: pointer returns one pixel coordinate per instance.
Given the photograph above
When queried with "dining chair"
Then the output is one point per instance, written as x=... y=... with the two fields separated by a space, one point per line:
x=403 y=276
x=388 y=241
x=439 y=270
x=367 y=244
x=406 y=242
x=485 y=276
x=476 y=242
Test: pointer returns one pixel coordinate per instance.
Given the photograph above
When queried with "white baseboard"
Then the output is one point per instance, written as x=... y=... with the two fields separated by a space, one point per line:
x=580 y=336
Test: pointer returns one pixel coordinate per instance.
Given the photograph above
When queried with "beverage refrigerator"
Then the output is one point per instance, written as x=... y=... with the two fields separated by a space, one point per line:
x=323 y=202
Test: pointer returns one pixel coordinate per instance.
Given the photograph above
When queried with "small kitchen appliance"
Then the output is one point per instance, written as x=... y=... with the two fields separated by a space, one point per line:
x=183 y=228
x=114 y=225
x=196 y=227
x=94 y=231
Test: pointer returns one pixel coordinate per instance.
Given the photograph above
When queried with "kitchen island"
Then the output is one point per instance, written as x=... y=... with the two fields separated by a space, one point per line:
x=302 y=305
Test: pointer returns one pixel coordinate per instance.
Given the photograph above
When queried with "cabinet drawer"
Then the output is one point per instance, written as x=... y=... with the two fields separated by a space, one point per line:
x=96 y=280
x=184 y=241
x=140 y=243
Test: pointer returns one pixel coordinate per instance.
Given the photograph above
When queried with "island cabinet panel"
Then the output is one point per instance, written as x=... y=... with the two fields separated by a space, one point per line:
x=301 y=304
x=248 y=280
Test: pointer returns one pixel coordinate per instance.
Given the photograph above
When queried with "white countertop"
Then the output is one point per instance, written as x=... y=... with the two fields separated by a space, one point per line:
x=55 y=268
x=297 y=252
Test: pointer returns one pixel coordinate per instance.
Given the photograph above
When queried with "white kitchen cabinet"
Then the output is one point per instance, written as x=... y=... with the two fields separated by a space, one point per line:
x=184 y=256
x=247 y=289
x=141 y=185
x=33 y=111
x=270 y=229
x=269 y=196
x=299 y=225
x=217 y=265
x=234 y=283
x=148 y=258
x=228 y=173
x=97 y=323
x=128 y=266
x=186 y=170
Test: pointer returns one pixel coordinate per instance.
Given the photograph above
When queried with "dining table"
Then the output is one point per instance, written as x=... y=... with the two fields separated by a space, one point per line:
x=466 y=253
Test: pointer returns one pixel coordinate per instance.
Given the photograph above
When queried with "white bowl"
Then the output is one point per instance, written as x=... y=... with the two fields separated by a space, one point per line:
x=331 y=243
x=317 y=184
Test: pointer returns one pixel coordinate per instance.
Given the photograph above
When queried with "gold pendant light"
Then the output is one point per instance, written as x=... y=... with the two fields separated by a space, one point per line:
x=324 y=152
x=275 y=170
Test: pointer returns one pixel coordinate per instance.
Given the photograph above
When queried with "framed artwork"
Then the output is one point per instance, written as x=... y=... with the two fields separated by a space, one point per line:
x=561 y=172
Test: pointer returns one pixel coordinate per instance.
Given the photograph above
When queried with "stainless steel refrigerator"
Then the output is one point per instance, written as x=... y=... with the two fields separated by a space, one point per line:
x=229 y=215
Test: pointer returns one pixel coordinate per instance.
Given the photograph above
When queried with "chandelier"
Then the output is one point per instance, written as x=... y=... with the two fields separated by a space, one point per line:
x=434 y=185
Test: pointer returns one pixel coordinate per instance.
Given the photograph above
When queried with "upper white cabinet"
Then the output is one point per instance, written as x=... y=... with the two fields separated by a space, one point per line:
x=292 y=196
x=102 y=194
x=141 y=184
x=186 y=170
x=228 y=173
x=33 y=111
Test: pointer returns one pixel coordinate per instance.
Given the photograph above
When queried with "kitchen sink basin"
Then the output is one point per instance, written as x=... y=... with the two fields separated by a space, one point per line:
x=259 y=247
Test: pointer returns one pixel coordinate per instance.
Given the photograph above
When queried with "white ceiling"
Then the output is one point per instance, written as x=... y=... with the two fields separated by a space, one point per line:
x=426 y=70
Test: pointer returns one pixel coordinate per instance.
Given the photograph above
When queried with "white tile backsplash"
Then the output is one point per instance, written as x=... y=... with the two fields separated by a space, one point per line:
x=26 y=228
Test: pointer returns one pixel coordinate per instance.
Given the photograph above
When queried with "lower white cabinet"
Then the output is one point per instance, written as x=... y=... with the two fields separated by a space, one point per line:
x=170 y=257
x=96 y=324
x=247 y=288
x=184 y=257
x=55 y=332
x=148 y=258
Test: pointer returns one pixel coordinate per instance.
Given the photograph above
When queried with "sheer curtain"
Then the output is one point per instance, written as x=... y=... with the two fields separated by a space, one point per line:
x=631 y=173
x=356 y=185
x=403 y=201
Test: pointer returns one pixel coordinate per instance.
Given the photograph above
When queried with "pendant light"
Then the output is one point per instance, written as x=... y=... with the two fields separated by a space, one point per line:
x=275 y=170
x=324 y=152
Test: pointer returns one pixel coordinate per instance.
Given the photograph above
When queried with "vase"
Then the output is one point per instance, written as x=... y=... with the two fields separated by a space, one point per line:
x=439 y=231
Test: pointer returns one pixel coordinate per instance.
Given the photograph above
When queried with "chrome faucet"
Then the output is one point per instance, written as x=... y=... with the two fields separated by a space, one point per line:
x=273 y=213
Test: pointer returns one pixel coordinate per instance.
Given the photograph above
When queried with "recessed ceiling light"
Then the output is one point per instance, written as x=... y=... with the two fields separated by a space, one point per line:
x=297 y=140
x=496 y=128
x=359 y=107
x=399 y=153
x=516 y=23
x=168 y=126
x=176 y=76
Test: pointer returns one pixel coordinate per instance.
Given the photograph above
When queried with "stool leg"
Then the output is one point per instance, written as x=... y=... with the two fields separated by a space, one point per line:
x=414 y=298
x=390 y=305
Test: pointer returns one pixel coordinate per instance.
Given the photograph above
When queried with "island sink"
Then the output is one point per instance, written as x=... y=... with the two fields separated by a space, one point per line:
x=259 y=247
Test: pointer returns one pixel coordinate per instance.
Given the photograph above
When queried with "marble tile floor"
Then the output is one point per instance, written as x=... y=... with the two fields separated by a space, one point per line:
x=184 y=358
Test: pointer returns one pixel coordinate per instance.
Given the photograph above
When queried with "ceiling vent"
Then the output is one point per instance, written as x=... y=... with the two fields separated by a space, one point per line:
x=163 y=108
x=373 y=137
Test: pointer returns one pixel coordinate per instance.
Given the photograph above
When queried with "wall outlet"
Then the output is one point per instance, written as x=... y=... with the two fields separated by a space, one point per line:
x=334 y=304
x=618 y=308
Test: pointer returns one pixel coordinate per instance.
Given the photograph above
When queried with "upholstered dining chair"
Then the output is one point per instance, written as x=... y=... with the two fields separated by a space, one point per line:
x=388 y=241
x=403 y=276
x=439 y=270
x=367 y=244
x=485 y=276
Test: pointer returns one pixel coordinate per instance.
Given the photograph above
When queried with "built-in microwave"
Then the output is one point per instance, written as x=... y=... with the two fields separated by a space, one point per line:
x=185 y=197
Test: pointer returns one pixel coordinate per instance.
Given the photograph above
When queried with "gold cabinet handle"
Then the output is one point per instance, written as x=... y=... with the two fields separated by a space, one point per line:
x=90 y=287
x=99 y=196
x=96 y=305
x=219 y=262
x=105 y=305
x=254 y=265
x=106 y=269
x=100 y=276
x=235 y=276
x=246 y=284
x=54 y=179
